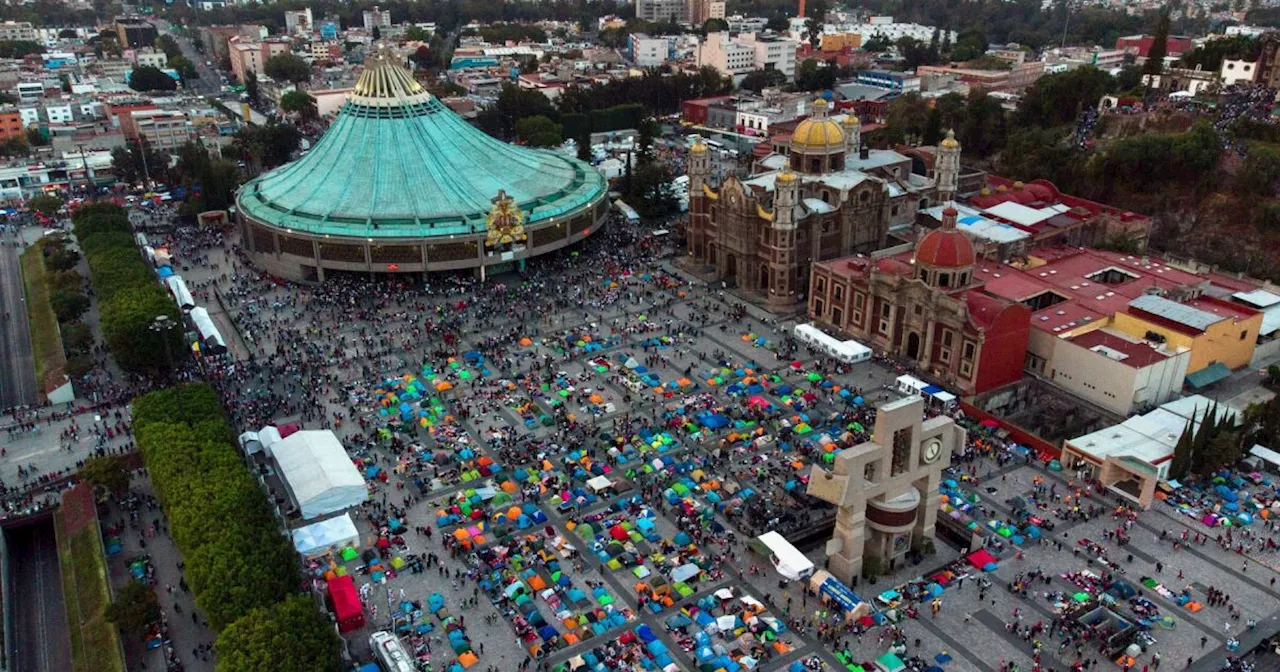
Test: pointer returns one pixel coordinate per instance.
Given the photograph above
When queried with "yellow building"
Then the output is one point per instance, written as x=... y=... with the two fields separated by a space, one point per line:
x=1221 y=335
x=838 y=41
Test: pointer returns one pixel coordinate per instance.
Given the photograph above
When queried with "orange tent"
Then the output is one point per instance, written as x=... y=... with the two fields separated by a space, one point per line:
x=526 y=341
x=596 y=399
x=468 y=659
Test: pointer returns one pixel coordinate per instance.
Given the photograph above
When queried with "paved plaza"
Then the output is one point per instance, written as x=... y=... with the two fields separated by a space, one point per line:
x=480 y=412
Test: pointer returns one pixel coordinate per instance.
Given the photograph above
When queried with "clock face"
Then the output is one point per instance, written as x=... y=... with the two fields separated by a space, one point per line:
x=931 y=450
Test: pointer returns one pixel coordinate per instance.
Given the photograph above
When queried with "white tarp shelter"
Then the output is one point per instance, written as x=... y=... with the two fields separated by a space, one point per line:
x=318 y=538
x=787 y=559
x=849 y=352
x=318 y=474
x=268 y=436
x=600 y=483
x=1266 y=454
x=250 y=443
x=178 y=287
x=209 y=334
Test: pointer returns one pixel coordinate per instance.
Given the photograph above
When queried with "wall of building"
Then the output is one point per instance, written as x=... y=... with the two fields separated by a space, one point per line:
x=1112 y=384
x=1003 y=350
x=1230 y=341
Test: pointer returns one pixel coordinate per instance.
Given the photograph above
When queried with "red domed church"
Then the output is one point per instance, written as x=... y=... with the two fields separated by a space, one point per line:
x=924 y=305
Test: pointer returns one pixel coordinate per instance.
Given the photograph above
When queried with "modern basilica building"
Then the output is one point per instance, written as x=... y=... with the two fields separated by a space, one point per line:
x=401 y=184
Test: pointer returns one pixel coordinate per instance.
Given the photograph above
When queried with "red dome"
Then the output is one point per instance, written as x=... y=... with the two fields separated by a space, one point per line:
x=945 y=248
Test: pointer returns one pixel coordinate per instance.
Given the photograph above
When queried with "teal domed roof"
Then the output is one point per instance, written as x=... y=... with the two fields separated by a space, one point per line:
x=397 y=163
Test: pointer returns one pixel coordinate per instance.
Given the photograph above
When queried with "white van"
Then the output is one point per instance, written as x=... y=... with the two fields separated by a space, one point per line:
x=390 y=652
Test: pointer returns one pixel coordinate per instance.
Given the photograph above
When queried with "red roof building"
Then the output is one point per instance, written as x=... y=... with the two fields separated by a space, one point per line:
x=1141 y=44
x=926 y=306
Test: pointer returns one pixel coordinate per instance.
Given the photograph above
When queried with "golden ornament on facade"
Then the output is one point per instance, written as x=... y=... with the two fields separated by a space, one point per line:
x=505 y=222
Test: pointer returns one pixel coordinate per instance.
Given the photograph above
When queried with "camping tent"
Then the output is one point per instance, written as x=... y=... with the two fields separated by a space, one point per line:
x=317 y=538
x=318 y=474
x=600 y=483
x=346 y=603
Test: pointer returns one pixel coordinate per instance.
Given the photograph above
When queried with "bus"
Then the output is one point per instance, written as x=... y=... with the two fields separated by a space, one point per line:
x=390 y=652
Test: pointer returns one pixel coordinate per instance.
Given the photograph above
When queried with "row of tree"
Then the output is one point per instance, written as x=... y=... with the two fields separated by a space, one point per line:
x=129 y=296
x=242 y=571
x=1212 y=445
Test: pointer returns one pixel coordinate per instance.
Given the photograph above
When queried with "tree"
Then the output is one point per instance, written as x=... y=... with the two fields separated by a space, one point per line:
x=1212 y=53
x=45 y=204
x=291 y=636
x=251 y=87
x=584 y=146
x=815 y=75
x=19 y=48
x=1059 y=98
x=35 y=137
x=715 y=26
x=134 y=610
x=1181 y=464
x=300 y=103
x=126 y=320
x=758 y=80
x=514 y=104
x=423 y=57
x=1260 y=173
x=168 y=45
x=185 y=68
x=969 y=45
x=149 y=78
x=377 y=33
x=877 y=43
x=539 y=131
x=67 y=34
x=110 y=473
x=984 y=128
x=813 y=24
x=1128 y=79
x=1159 y=46
x=287 y=68
x=416 y=34
x=647 y=130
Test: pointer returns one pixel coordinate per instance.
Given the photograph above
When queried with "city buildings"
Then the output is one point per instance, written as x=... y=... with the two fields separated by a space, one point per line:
x=1015 y=78
x=11 y=124
x=250 y=57
x=735 y=56
x=658 y=11
x=886 y=490
x=216 y=38
x=1140 y=45
x=698 y=12
x=147 y=57
x=133 y=31
x=1269 y=60
x=163 y=129
x=298 y=21
x=13 y=31
x=1132 y=457
x=827 y=197
x=649 y=52
x=376 y=18
x=746 y=24
x=456 y=199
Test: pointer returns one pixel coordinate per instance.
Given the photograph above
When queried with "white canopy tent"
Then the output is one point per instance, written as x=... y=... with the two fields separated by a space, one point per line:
x=600 y=483
x=318 y=474
x=318 y=538
x=250 y=444
x=268 y=436
x=178 y=287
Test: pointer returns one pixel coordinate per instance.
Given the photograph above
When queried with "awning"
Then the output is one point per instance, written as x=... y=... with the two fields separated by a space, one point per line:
x=1208 y=375
x=1259 y=450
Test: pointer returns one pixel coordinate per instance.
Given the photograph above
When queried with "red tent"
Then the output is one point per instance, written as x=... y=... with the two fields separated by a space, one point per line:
x=346 y=603
x=981 y=558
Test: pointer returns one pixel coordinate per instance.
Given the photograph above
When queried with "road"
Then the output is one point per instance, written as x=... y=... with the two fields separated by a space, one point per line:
x=41 y=640
x=209 y=83
x=17 y=360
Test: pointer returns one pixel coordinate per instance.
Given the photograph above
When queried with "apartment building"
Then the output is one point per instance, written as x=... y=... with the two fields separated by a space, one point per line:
x=247 y=57
x=164 y=129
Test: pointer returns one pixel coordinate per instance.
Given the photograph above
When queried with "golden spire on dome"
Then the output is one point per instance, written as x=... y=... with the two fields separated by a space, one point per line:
x=385 y=81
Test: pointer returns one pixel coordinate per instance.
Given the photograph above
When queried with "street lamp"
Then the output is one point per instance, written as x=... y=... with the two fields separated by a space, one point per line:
x=163 y=324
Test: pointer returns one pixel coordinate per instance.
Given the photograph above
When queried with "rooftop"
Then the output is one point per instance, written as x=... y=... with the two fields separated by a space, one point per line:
x=1121 y=348
x=398 y=163
x=1149 y=438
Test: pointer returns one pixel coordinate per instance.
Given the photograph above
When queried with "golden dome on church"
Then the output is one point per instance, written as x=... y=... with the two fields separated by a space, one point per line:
x=786 y=176
x=950 y=141
x=817 y=134
x=850 y=120
x=698 y=148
